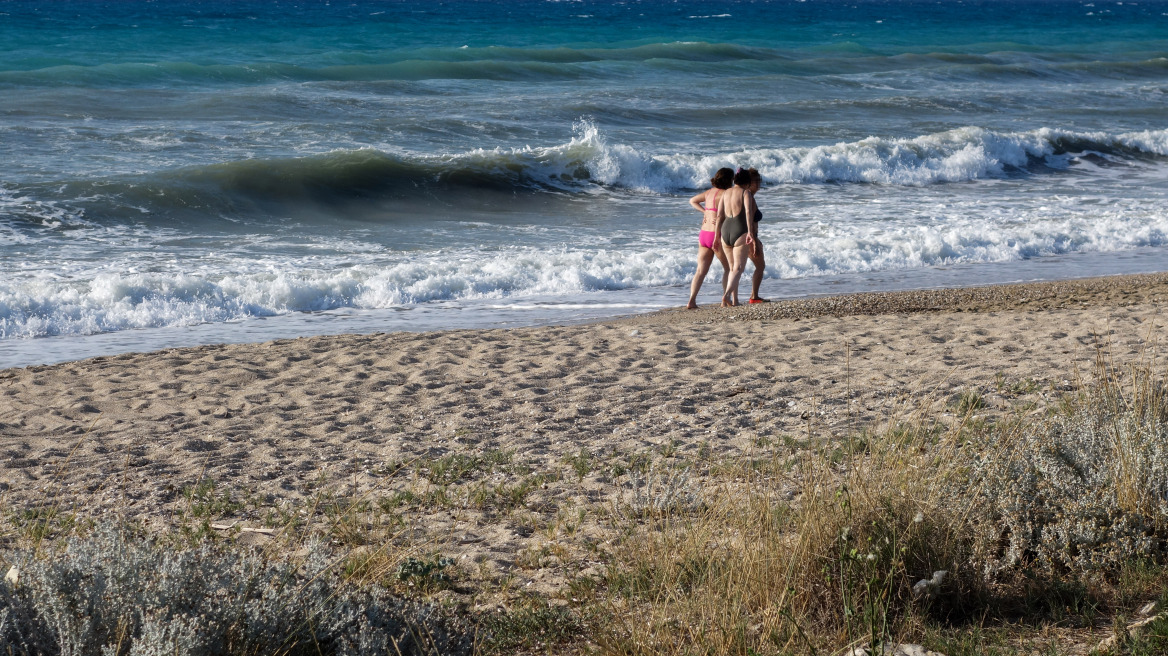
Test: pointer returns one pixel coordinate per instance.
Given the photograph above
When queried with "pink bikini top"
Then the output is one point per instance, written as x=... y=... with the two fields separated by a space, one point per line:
x=712 y=207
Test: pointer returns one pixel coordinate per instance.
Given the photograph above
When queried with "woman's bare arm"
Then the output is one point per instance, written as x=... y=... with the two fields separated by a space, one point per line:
x=749 y=206
x=696 y=202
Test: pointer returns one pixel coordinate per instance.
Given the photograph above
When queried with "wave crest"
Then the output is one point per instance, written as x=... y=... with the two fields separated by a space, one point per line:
x=960 y=155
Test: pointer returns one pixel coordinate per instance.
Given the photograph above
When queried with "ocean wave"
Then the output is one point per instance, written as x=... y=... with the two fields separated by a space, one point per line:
x=308 y=186
x=589 y=160
x=960 y=155
x=587 y=163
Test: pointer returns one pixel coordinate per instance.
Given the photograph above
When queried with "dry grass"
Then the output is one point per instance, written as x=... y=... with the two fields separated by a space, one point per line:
x=753 y=572
x=1038 y=520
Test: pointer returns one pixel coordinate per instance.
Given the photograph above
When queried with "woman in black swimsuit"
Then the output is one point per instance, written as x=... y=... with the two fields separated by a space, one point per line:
x=735 y=209
x=756 y=256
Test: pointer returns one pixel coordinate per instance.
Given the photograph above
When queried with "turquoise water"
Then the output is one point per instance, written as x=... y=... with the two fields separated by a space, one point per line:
x=229 y=171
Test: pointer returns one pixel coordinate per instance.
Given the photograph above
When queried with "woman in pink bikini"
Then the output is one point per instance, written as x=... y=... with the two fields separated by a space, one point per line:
x=709 y=241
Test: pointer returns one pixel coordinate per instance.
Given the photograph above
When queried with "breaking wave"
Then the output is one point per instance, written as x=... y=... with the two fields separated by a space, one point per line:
x=588 y=163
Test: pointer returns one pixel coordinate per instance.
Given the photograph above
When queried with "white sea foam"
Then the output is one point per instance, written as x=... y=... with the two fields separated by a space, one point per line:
x=47 y=214
x=84 y=302
x=959 y=155
x=1148 y=141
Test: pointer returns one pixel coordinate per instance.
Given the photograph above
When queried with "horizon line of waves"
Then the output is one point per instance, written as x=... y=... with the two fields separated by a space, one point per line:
x=551 y=64
x=57 y=305
x=493 y=63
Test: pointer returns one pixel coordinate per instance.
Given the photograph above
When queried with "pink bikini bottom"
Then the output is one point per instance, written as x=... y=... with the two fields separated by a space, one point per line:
x=706 y=238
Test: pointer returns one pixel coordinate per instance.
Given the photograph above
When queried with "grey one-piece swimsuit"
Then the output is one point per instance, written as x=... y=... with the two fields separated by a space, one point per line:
x=734 y=227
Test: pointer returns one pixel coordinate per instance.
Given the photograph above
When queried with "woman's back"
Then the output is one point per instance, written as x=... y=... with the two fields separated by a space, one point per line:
x=734 y=201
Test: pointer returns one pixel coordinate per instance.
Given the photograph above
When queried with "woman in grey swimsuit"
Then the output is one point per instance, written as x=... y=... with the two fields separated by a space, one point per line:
x=735 y=209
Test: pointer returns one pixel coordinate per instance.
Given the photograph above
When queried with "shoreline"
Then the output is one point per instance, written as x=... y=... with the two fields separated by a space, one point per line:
x=1111 y=288
x=1044 y=295
x=483 y=441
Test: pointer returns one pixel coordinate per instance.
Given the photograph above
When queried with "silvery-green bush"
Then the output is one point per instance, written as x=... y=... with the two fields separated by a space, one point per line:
x=110 y=594
x=1079 y=494
x=662 y=491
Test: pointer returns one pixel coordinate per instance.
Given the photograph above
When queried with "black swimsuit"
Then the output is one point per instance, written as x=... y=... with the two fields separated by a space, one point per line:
x=734 y=227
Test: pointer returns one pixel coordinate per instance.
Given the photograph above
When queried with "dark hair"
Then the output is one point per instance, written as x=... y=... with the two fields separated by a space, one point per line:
x=755 y=176
x=742 y=178
x=723 y=178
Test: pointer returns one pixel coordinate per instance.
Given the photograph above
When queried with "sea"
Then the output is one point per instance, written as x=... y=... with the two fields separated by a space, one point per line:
x=186 y=172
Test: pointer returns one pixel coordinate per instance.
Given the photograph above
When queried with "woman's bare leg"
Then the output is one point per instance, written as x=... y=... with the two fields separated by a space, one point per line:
x=738 y=257
x=721 y=254
x=705 y=258
x=759 y=266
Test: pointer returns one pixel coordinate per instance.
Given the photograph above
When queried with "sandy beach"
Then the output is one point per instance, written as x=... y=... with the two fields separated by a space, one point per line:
x=557 y=413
